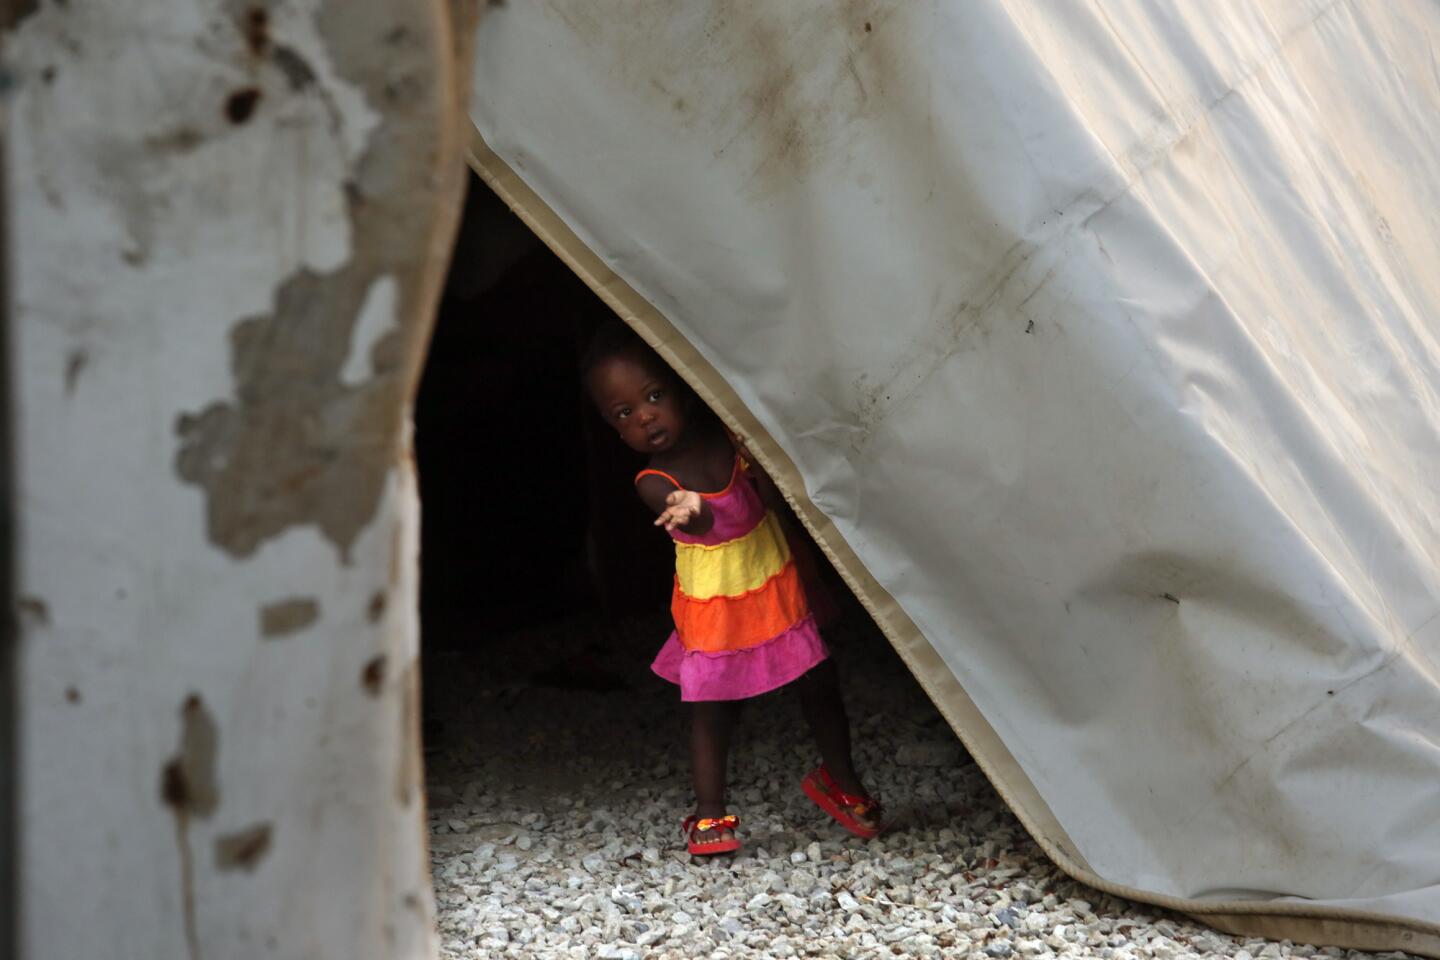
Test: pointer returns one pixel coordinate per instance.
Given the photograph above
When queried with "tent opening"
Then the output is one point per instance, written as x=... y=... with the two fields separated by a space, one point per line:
x=556 y=761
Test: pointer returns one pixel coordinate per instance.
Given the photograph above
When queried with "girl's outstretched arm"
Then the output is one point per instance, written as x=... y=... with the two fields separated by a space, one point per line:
x=684 y=510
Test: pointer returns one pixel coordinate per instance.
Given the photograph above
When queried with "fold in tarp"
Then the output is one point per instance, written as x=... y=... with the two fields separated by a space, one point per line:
x=1096 y=343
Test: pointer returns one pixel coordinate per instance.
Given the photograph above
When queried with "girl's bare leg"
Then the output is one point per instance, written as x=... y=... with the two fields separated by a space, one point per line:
x=711 y=724
x=819 y=692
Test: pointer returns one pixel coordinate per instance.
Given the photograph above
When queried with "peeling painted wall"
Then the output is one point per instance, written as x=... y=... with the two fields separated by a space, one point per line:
x=236 y=217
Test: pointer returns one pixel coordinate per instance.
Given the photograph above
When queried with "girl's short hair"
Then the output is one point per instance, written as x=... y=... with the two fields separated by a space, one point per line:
x=613 y=338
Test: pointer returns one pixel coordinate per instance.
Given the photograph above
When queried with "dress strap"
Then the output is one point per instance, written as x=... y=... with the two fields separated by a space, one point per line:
x=659 y=473
x=740 y=467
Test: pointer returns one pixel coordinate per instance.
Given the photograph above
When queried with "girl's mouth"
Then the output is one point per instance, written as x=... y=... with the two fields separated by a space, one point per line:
x=658 y=437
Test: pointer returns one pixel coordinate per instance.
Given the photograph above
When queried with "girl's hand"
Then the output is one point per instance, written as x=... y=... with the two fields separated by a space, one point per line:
x=681 y=506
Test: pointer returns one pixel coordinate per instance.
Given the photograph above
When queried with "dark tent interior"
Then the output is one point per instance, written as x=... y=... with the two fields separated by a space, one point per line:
x=541 y=570
x=554 y=757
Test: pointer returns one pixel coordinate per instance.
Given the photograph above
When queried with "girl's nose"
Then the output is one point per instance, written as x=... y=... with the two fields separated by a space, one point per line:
x=646 y=416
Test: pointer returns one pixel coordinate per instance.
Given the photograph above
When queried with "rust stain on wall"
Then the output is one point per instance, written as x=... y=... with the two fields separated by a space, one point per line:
x=254 y=24
x=188 y=787
x=291 y=615
x=187 y=781
x=372 y=678
x=33 y=609
x=244 y=849
x=376 y=609
x=75 y=364
x=13 y=11
x=240 y=104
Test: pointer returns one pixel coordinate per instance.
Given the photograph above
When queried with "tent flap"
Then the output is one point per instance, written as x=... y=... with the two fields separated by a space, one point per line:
x=1091 y=341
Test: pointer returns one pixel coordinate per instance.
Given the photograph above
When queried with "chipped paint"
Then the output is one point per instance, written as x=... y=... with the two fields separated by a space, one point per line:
x=284 y=617
x=298 y=446
x=376 y=323
x=307 y=439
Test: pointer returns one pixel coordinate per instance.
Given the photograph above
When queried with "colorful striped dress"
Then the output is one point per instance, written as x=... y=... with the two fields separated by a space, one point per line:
x=742 y=624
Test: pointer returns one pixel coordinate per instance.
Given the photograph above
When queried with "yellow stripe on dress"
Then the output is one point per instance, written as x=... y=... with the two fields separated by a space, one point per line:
x=734 y=567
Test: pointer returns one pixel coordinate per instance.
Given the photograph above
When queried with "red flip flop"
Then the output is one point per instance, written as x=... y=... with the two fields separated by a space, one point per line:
x=703 y=848
x=846 y=808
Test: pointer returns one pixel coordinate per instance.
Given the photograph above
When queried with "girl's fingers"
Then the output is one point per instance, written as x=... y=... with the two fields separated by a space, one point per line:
x=676 y=515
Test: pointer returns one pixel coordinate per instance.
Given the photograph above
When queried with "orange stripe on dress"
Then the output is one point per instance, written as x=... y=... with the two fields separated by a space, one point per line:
x=737 y=623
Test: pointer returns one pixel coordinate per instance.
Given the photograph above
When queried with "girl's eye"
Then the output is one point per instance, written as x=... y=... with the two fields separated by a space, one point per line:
x=656 y=395
x=623 y=414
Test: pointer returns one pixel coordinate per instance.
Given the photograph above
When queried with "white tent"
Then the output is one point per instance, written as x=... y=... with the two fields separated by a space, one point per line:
x=1097 y=343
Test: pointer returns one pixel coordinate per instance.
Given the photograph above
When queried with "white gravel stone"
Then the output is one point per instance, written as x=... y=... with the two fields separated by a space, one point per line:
x=554 y=813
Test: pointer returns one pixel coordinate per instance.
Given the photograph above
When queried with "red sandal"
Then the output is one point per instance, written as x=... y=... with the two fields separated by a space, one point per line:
x=846 y=808
x=703 y=848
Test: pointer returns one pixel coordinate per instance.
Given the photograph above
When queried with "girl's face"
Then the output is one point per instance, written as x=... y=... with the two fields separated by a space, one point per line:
x=640 y=402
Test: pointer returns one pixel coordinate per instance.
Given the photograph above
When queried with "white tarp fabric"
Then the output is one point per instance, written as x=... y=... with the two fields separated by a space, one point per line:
x=1097 y=340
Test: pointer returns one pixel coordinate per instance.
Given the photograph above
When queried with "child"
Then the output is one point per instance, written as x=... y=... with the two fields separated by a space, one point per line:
x=742 y=623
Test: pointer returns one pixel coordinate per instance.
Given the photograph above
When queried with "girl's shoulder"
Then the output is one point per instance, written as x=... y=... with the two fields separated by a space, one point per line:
x=658 y=478
x=705 y=468
x=654 y=486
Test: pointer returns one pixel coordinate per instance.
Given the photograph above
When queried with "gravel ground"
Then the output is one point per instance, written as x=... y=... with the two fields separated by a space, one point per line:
x=554 y=818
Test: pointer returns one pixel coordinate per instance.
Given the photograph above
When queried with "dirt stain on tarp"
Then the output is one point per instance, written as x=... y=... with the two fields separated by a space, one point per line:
x=801 y=74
